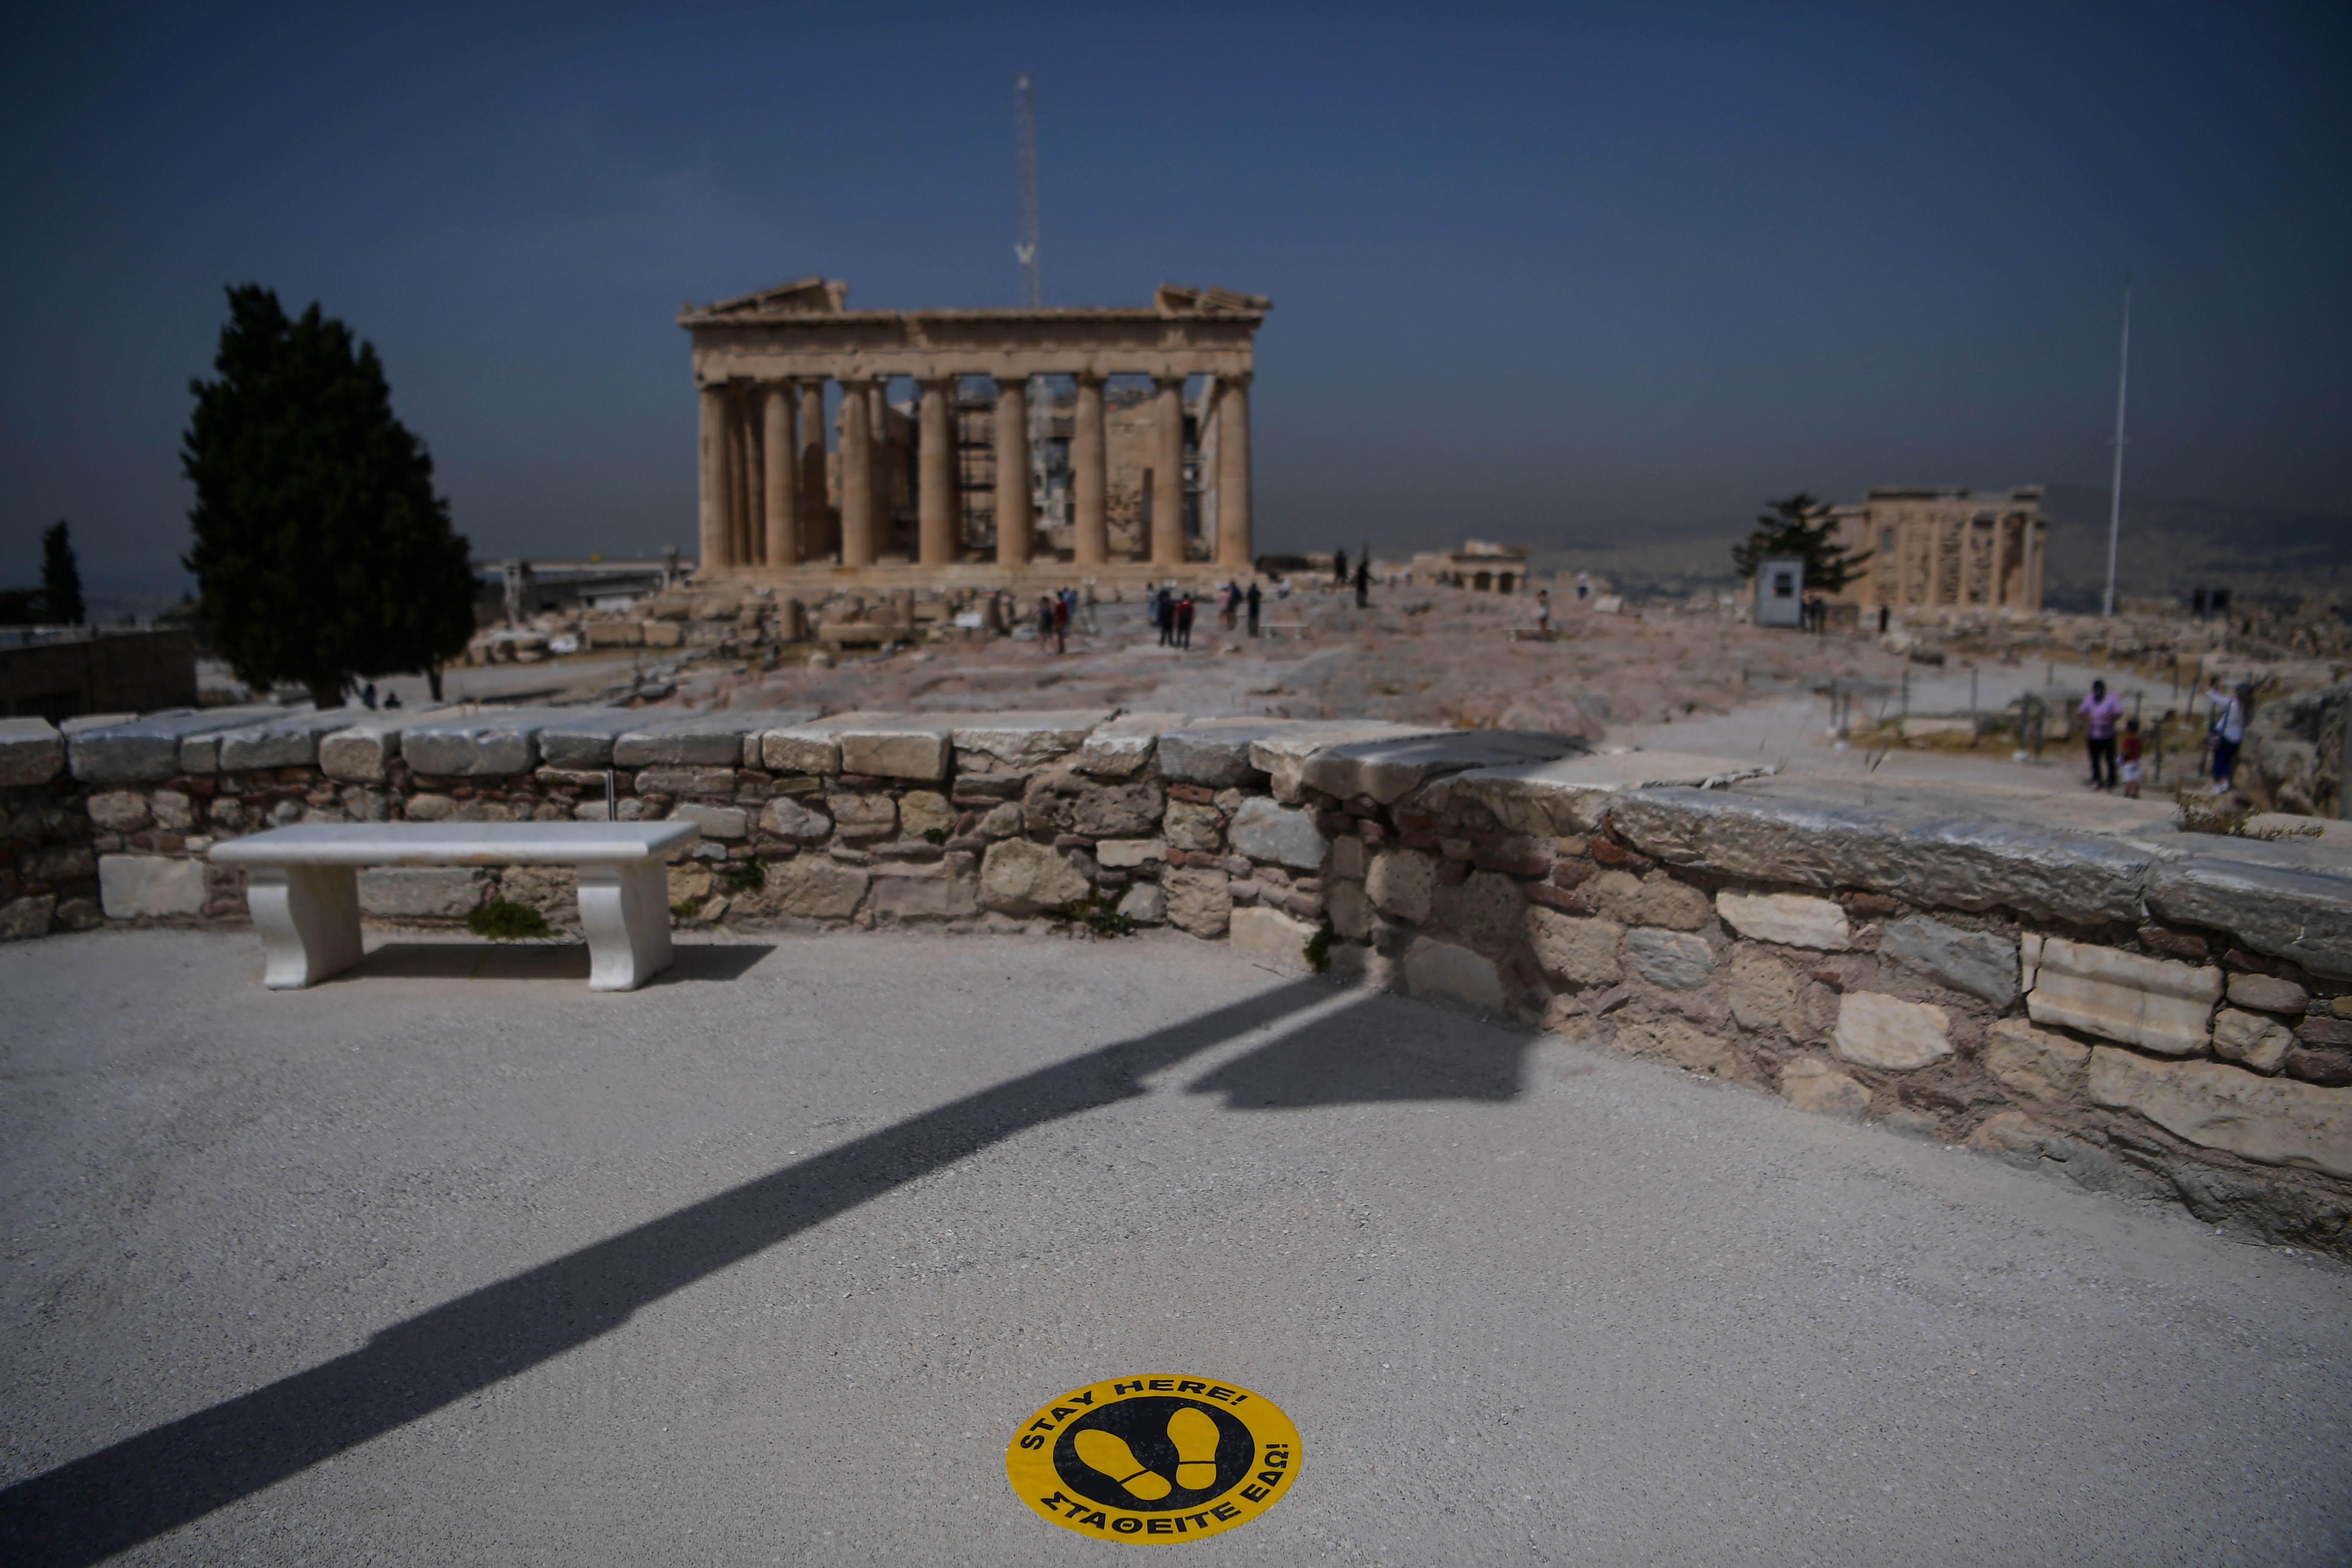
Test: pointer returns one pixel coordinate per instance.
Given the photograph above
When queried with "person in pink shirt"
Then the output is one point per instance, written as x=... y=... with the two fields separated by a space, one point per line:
x=2102 y=710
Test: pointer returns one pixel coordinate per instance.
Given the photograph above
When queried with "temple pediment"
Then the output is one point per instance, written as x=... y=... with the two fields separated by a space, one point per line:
x=1180 y=300
x=804 y=297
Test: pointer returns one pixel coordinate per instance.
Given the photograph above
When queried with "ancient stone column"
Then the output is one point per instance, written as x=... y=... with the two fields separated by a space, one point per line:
x=779 y=461
x=1168 y=471
x=882 y=441
x=813 y=501
x=734 y=481
x=750 y=508
x=856 y=474
x=1014 y=520
x=713 y=453
x=935 y=481
x=1090 y=476
x=1233 y=546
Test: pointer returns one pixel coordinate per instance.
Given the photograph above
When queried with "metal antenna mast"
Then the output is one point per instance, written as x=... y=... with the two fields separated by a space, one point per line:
x=2116 y=493
x=1025 y=145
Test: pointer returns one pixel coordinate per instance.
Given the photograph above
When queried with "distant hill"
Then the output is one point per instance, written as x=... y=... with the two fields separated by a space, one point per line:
x=2172 y=547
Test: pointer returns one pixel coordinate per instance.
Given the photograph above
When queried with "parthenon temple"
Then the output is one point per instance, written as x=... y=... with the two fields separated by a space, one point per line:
x=1946 y=546
x=1036 y=444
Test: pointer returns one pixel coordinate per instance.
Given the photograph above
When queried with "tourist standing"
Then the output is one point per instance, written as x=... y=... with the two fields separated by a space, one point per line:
x=1543 y=612
x=1185 y=620
x=2131 y=755
x=1163 y=616
x=1340 y=568
x=2231 y=711
x=1584 y=586
x=1363 y=581
x=1255 y=601
x=1048 y=624
x=2101 y=711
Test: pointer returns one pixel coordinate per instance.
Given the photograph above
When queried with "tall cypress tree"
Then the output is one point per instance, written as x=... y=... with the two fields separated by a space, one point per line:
x=1800 y=526
x=61 y=576
x=321 y=552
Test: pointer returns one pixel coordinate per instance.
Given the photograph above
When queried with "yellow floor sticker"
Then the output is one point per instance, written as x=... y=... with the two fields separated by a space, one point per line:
x=1154 y=1458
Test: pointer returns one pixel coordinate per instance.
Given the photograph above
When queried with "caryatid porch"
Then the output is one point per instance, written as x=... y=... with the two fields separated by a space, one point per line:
x=760 y=365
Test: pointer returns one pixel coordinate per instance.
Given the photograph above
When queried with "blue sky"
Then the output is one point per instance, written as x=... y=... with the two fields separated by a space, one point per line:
x=1540 y=273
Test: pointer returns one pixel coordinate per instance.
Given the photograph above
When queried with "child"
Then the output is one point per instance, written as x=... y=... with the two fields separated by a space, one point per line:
x=2130 y=750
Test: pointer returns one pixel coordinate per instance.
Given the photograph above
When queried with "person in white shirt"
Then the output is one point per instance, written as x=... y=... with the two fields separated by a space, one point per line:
x=2231 y=711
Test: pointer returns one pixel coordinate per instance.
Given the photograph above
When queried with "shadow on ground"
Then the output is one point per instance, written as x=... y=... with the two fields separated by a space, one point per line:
x=165 y=1477
x=540 y=961
x=1376 y=1050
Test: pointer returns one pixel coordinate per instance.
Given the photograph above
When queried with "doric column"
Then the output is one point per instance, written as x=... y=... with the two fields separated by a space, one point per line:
x=1013 y=521
x=935 y=479
x=778 y=463
x=1168 y=471
x=2037 y=539
x=856 y=474
x=882 y=441
x=813 y=499
x=734 y=481
x=1090 y=479
x=1233 y=545
x=751 y=527
x=713 y=453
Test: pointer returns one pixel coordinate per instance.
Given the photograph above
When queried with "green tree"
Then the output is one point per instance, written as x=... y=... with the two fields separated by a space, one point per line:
x=61 y=576
x=1800 y=526
x=321 y=552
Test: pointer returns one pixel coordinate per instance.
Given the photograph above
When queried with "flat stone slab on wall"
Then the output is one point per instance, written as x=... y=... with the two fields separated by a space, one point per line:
x=1284 y=755
x=31 y=752
x=1018 y=742
x=291 y=742
x=699 y=740
x=1122 y=747
x=580 y=739
x=1967 y=865
x=896 y=746
x=1570 y=795
x=1388 y=769
x=147 y=749
x=475 y=745
x=1215 y=752
x=2292 y=909
x=363 y=751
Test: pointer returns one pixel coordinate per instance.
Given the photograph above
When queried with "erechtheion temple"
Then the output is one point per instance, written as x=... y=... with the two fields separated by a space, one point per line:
x=1037 y=444
x=1930 y=547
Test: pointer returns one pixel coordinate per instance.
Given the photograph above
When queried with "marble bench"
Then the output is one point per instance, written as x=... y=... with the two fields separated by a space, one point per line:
x=302 y=886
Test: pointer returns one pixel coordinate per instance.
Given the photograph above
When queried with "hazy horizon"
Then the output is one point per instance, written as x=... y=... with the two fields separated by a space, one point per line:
x=1540 y=279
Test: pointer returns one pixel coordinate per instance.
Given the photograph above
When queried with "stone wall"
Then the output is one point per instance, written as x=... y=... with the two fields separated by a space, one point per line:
x=2163 y=1018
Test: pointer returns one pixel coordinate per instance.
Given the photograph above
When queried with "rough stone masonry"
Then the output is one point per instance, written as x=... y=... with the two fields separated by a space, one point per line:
x=2167 y=1021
